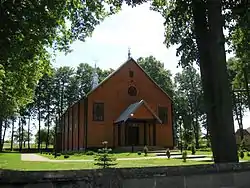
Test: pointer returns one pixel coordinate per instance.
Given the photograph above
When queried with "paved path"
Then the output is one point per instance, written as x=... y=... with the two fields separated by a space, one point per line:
x=36 y=157
x=33 y=157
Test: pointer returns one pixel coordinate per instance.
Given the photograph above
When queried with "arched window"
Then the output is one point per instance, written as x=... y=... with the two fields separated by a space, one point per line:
x=132 y=91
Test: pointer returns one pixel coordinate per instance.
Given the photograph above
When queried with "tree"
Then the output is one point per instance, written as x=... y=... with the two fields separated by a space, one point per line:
x=44 y=136
x=197 y=27
x=239 y=90
x=25 y=38
x=103 y=157
x=188 y=103
x=21 y=136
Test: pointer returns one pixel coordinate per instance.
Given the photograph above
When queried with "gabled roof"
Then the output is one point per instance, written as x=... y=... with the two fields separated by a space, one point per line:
x=114 y=72
x=245 y=131
x=125 y=115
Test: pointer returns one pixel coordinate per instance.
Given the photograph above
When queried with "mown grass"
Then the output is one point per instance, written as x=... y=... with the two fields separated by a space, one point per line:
x=13 y=161
x=83 y=156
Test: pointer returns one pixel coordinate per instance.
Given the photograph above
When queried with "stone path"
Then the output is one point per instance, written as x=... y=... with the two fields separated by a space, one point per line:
x=36 y=157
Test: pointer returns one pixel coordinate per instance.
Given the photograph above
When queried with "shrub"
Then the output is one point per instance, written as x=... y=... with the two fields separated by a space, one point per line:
x=70 y=153
x=242 y=154
x=90 y=153
x=248 y=154
x=145 y=150
x=66 y=156
x=78 y=154
x=103 y=157
x=204 y=149
x=168 y=153
x=58 y=154
x=184 y=156
x=139 y=153
x=193 y=149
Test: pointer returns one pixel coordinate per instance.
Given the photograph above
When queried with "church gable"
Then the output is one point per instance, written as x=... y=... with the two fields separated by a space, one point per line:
x=134 y=74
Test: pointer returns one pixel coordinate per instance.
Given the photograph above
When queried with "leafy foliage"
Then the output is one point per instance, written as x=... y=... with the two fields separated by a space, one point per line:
x=188 y=104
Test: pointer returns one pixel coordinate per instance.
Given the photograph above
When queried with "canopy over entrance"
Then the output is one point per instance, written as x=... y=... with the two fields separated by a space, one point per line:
x=129 y=114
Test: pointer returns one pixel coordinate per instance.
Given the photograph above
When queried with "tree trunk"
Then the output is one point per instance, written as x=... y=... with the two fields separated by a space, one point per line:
x=240 y=117
x=222 y=128
x=196 y=133
x=55 y=138
x=215 y=80
x=39 y=122
x=19 y=135
x=12 y=134
x=237 y=110
x=1 y=141
x=48 y=111
x=22 y=140
x=29 y=133
x=4 y=132
x=246 y=85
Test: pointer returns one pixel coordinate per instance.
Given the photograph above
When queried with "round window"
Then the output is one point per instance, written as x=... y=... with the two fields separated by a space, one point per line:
x=132 y=91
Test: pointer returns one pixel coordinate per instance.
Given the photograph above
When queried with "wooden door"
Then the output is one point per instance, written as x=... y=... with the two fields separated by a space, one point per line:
x=133 y=135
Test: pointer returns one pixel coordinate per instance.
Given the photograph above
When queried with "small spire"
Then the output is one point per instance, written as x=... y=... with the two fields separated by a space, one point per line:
x=95 y=79
x=129 y=53
x=95 y=64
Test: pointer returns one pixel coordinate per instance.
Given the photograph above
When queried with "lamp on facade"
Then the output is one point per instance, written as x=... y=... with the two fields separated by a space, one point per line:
x=132 y=115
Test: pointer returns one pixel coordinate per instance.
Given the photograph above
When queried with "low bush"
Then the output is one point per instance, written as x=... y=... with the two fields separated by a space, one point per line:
x=193 y=150
x=184 y=156
x=242 y=154
x=90 y=153
x=248 y=154
x=78 y=154
x=145 y=150
x=66 y=156
x=168 y=153
x=139 y=153
x=204 y=149
x=70 y=153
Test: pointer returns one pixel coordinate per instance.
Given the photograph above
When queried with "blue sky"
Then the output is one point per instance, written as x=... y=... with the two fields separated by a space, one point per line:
x=138 y=28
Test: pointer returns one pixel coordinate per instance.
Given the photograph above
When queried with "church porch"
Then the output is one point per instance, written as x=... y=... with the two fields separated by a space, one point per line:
x=133 y=128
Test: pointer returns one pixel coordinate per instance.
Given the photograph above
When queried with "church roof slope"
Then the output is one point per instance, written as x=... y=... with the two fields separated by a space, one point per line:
x=114 y=72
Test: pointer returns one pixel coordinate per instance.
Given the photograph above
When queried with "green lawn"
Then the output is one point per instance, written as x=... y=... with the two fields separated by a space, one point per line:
x=13 y=161
x=87 y=157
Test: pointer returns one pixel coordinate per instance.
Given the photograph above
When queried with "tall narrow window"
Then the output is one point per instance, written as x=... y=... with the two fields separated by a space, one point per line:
x=163 y=114
x=131 y=74
x=98 y=112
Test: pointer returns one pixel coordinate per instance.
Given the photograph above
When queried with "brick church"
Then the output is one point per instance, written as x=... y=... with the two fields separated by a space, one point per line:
x=127 y=108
